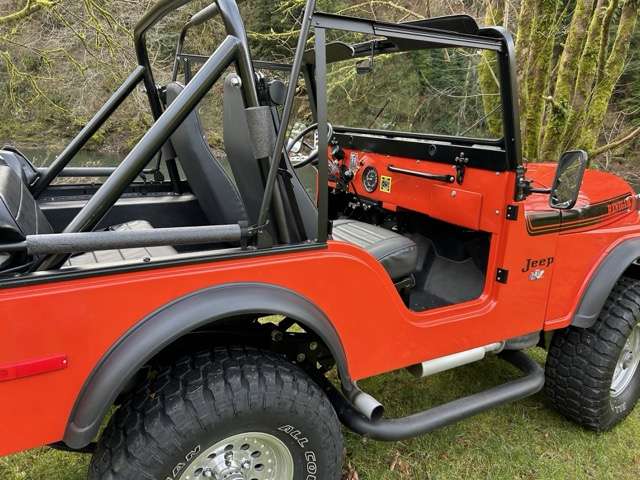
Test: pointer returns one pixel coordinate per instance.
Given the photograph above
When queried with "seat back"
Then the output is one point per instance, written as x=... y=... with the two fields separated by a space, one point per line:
x=216 y=193
x=20 y=214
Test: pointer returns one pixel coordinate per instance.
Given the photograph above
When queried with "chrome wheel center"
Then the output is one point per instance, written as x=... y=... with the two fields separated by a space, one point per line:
x=627 y=363
x=247 y=456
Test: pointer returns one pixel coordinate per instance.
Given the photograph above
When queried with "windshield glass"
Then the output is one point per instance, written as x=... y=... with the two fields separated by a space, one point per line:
x=443 y=91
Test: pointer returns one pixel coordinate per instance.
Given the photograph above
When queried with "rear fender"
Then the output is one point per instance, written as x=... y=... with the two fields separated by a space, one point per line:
x=171 y=322
x=615 y=264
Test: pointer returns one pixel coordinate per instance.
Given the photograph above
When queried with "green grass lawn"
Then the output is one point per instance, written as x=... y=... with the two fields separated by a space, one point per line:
x=525 y=440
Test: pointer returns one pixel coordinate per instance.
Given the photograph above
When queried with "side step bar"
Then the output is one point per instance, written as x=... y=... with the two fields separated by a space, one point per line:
x=448 y=413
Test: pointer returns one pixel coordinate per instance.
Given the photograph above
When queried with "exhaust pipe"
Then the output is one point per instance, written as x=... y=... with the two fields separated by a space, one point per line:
x=446 y=414
x=365 y=404
x=437 y=365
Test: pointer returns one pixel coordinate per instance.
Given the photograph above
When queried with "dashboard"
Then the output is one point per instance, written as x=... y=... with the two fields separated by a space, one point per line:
x=438 y=179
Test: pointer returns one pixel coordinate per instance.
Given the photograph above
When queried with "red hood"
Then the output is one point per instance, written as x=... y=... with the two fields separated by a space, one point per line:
x=597 y=186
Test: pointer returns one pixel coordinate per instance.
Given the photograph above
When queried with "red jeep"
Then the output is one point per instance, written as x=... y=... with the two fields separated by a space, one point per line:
x=199 y=305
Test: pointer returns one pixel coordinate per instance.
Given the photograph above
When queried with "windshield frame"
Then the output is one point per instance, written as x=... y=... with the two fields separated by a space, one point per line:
x=492 y=38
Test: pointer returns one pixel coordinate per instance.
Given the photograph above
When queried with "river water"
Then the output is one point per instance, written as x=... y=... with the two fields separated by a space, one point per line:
x=43 y=157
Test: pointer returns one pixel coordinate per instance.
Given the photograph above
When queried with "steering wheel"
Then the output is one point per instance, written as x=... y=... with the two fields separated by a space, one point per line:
x=313 y=156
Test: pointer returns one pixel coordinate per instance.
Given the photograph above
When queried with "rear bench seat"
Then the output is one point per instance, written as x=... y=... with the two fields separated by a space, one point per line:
x=110 y=256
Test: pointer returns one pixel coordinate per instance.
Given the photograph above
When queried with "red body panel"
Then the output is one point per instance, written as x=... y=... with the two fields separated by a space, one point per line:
x=83 y=318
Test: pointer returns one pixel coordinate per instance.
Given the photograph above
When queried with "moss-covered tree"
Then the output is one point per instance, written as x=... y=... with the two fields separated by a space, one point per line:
x=571 y=56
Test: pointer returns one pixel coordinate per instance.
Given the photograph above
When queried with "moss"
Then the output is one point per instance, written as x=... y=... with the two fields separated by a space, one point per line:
x=542 y=43
x=587 y=71
x=602 y=93
x=558 y=112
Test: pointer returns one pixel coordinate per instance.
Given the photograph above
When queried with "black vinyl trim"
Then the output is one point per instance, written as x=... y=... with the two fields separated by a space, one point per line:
x=486 y=158
x=554 y=221
x=603 y=280
x=171 y=322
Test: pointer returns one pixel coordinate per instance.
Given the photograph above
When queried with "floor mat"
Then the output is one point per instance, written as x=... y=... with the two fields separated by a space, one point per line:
x=448 y=282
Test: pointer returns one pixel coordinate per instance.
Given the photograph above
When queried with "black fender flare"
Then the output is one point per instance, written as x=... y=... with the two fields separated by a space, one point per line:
x=603 y=280
x=174 y=320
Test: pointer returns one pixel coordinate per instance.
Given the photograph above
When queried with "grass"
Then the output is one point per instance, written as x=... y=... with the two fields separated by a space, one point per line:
x=524 y=440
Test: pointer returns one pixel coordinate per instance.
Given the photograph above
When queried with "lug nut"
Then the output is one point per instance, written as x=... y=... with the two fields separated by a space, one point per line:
x=313 y=346
x=301 y=357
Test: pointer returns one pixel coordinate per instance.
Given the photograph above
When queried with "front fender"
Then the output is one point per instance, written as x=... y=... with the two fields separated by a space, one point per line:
x=603 y=280
x=174 y=320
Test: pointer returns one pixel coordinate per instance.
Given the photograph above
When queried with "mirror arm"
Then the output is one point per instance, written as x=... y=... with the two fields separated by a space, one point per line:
x=546 y=191
x=525 y=189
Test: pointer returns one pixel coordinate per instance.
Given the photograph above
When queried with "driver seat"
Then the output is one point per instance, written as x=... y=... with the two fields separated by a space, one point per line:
x=396 y=253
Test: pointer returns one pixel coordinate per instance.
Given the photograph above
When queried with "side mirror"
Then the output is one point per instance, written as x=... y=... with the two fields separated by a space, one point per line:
x=569 y=175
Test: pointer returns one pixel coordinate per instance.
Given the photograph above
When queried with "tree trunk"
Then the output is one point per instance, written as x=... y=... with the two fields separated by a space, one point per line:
x=488 y=74
x=560 y=104
x=523 y=42
x=587 y=70
x=603 y=91
x=541 y=59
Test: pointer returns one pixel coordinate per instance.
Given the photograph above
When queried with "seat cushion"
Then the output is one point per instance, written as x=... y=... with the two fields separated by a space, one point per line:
x=397 y=253
x=110 y=256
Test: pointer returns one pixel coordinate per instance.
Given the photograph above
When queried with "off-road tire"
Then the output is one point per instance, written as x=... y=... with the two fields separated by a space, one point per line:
x=208 y=397
x=581 y=363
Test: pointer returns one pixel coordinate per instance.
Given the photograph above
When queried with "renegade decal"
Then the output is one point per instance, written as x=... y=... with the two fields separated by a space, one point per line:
x=536 y=275
x=540 y=223
x=385 y=184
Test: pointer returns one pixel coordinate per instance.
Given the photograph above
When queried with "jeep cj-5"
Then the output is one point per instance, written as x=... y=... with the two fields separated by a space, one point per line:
x=216 y=312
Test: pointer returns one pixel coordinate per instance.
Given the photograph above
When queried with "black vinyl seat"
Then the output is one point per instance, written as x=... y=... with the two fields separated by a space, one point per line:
x=397 y=253
x=20 y=216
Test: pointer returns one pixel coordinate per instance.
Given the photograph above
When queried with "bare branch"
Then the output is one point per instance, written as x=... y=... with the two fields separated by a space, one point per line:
x=31 y=6
x=622 y=140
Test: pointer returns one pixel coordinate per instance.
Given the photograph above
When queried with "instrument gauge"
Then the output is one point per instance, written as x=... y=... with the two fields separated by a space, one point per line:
x=370 y=179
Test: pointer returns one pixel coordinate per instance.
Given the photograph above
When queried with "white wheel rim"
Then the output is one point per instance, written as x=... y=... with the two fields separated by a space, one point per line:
x=246 y=456
x=627 y=364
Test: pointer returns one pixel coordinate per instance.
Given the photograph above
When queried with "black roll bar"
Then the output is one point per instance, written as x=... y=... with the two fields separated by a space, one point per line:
x=286 y=113
x=230 y=14
x=61 y=243
x=157 y=135
x=102 y=201
x=88 y=131
x=156 y=13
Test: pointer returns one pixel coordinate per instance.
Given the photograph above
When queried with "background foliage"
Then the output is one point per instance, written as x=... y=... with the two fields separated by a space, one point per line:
x=578 y=66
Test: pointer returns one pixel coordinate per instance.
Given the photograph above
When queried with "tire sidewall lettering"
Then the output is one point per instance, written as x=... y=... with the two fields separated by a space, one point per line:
x=310 y=458
x=180 y=466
